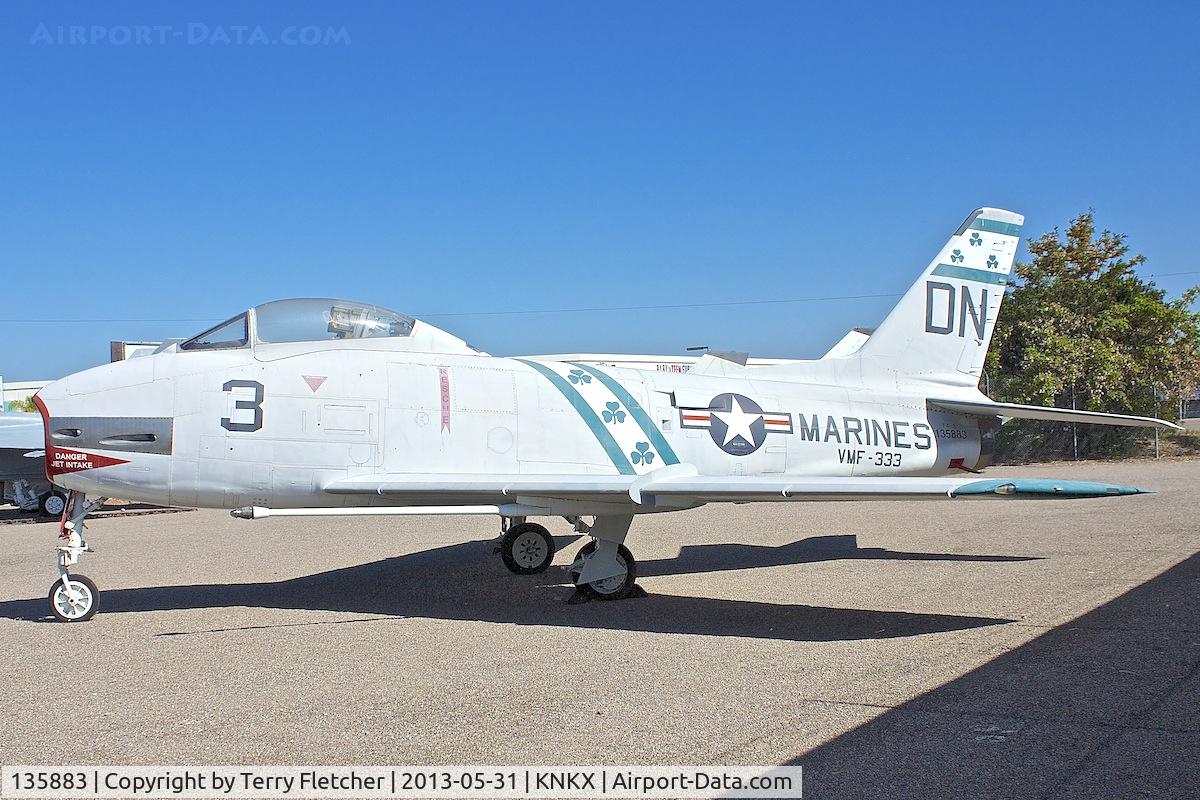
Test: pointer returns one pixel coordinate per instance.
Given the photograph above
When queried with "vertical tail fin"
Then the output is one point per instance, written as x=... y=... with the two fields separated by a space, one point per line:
x=940 y=330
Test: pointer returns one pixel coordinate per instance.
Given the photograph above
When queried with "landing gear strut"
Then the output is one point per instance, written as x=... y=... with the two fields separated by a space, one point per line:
x=74 y=597
x=604 y=569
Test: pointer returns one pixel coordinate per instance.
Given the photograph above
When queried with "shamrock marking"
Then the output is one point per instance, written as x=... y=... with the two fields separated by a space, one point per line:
x=612 y=413
x=579 y=376
x=992 y=262
x=976 y=240
x=957 y=256
x=642 y=454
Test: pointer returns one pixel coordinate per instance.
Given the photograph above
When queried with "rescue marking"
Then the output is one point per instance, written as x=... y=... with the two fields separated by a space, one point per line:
x=444 y=389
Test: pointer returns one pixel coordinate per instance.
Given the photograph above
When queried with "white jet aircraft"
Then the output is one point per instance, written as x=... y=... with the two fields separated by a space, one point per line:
x=327 y=407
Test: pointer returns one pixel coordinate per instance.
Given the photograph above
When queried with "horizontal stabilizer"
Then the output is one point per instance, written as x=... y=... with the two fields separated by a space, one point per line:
x=731 y=363
x=1052 y=414
x=849 y=344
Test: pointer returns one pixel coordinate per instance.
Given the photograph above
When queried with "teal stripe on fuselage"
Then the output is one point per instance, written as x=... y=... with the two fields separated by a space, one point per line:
x=606 y=440
x=995 y=226
x=970 y=274
x=660 y=443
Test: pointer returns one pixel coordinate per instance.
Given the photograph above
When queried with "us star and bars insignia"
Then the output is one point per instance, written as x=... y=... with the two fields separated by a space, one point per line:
x=737 y=424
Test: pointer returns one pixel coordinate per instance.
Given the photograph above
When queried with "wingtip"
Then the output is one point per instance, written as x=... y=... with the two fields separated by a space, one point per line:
x=1042 y=487
x=1104 y=489
x=1127 y=490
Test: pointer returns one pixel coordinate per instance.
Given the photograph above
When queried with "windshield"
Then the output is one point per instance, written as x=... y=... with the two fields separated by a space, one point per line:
x=229 y=334
x=322 y=319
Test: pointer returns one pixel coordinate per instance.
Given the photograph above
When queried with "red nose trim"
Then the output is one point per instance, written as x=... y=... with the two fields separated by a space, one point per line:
x=41 y=407
x=67 y=509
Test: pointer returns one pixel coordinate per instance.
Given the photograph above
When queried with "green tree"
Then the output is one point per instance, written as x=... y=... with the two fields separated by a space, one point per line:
x=21 y=405
x=1081 y=328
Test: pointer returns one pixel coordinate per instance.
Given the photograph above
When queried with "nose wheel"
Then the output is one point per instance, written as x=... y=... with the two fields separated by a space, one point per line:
x=527 y=549
x=74 y=598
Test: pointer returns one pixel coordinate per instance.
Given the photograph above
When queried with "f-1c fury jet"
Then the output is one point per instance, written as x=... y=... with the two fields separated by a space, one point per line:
x=327 y=407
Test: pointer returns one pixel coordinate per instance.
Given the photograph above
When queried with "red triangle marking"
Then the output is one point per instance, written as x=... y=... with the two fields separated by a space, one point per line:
x=60 y=460
x=314 y=381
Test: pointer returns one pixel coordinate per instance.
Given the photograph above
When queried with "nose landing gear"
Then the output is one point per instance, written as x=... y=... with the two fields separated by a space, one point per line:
x=74 y=598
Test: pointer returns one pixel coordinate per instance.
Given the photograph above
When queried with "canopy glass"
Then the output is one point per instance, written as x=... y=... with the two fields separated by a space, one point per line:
x=323 y=319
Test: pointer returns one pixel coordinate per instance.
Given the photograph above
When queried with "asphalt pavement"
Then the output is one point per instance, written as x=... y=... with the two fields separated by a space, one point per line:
x=1002 y=648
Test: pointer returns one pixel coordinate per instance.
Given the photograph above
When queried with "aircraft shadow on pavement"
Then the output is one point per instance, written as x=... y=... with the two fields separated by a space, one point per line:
x=693 y=559
x=466 y=582
x=1101 y=706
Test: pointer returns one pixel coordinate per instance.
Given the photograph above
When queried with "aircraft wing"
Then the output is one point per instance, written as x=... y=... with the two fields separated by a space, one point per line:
x=679 y=485
x=732 y=488
x=1047 y=413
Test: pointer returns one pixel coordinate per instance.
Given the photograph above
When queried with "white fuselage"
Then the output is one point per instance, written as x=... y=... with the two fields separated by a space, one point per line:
x=273 y=424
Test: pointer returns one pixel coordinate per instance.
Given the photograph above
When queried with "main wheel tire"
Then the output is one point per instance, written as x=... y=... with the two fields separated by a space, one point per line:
x=527 y=549
x=577 y=564
x=618 y=586
x=52 y=504
x=79 y=605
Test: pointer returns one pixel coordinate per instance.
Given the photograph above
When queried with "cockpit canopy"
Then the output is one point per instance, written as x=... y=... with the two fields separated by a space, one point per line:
x=315 y=320
x=318 y=320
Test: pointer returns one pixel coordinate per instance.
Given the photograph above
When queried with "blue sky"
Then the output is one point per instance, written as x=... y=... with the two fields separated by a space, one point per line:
x=481 y=157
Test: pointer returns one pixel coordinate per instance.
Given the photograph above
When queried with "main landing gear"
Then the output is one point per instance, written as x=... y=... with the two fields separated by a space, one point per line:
x=526 y=548
x=51 y=503
x=74 y=597
x=603 y=569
